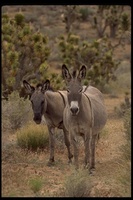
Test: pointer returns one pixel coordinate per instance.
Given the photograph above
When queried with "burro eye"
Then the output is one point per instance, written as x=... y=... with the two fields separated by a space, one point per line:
x=68 y=90
x=42 y=102
x=32 y=104
x=80 y=90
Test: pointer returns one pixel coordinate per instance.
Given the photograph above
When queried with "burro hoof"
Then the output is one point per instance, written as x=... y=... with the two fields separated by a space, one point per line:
x=69 y=162
x=50 y=163
x=70 y=159
x=92 y=171
x=86 y=166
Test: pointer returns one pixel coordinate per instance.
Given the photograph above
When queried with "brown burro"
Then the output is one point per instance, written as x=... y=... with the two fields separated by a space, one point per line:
x=51 y=104
x=84 y=115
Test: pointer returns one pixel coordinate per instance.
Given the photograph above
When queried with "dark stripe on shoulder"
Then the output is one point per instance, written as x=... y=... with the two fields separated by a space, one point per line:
x=62 y=97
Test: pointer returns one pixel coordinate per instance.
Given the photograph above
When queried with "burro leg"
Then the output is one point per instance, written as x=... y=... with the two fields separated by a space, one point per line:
x=87 y=149
x=67 y=143
x=92 y=152
x=76 y=150
x=51 y=145
x=92 y=164
x=89 y=143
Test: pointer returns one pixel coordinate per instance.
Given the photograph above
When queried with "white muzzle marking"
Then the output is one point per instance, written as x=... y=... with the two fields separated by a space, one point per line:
x=74 y=107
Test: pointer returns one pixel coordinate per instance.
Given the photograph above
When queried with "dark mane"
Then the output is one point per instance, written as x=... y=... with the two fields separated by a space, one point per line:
x=74 y=74
x=51 y=89
x=39 y=85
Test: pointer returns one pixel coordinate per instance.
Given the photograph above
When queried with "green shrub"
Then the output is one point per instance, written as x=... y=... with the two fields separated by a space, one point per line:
x=35 y=184
x=78 y=184
x=33 y=137
x=127 y=126
x=125 y=178
x=16 y=112
x=31 y=47
x=127 y=123
x=74 y=51
x=124 y=106
x=84 y=13
x=125 y=164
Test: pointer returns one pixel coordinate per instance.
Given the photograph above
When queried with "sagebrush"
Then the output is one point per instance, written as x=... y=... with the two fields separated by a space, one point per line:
x=78 y=184
x=127 y=127
x=33 y=137
x=16 y=112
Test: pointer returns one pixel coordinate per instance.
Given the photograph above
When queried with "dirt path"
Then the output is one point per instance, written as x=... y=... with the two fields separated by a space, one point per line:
x=18 y=166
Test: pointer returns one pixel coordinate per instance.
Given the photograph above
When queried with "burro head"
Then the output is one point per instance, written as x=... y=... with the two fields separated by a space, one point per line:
x=37 y=98
x=74 y=87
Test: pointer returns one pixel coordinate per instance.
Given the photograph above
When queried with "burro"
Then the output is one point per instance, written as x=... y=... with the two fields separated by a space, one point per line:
x=50 y=104
x=84 y=115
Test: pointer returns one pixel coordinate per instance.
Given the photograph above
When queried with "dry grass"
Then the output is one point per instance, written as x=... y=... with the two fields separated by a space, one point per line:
x=78 y=184
x=33 y=137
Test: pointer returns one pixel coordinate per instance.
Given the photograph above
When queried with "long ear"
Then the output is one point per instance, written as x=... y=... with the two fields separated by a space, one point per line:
x=45 y=86
x=30 y=89
x=82 y=73
x=65 y=73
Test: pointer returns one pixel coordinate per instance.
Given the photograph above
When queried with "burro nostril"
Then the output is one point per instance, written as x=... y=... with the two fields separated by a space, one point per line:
x=37 y=117
x=74 y=110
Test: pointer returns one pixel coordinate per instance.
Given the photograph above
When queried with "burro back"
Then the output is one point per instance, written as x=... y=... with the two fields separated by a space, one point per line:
x=84 y=115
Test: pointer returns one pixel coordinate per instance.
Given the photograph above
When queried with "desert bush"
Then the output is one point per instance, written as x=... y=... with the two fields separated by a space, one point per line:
x=113 y=17
x=84 y=13
x=69 y=16
x=123 y=74
x=127 y=123
x=124 y=174
x=123 y=68
x=101 y=65
x=124 y=106
x=78 y=184
x=31 y=17
x=120 y=86
x=127 y=126
x=103 y=133
x=16 y=112
x=35 y=184
x=125 y=178
x=33 y=137
x=26 y=58
x=124 y=81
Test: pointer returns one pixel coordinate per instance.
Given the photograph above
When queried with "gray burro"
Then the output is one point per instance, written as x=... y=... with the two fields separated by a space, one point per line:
x=84 y=115
x=51 y=104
